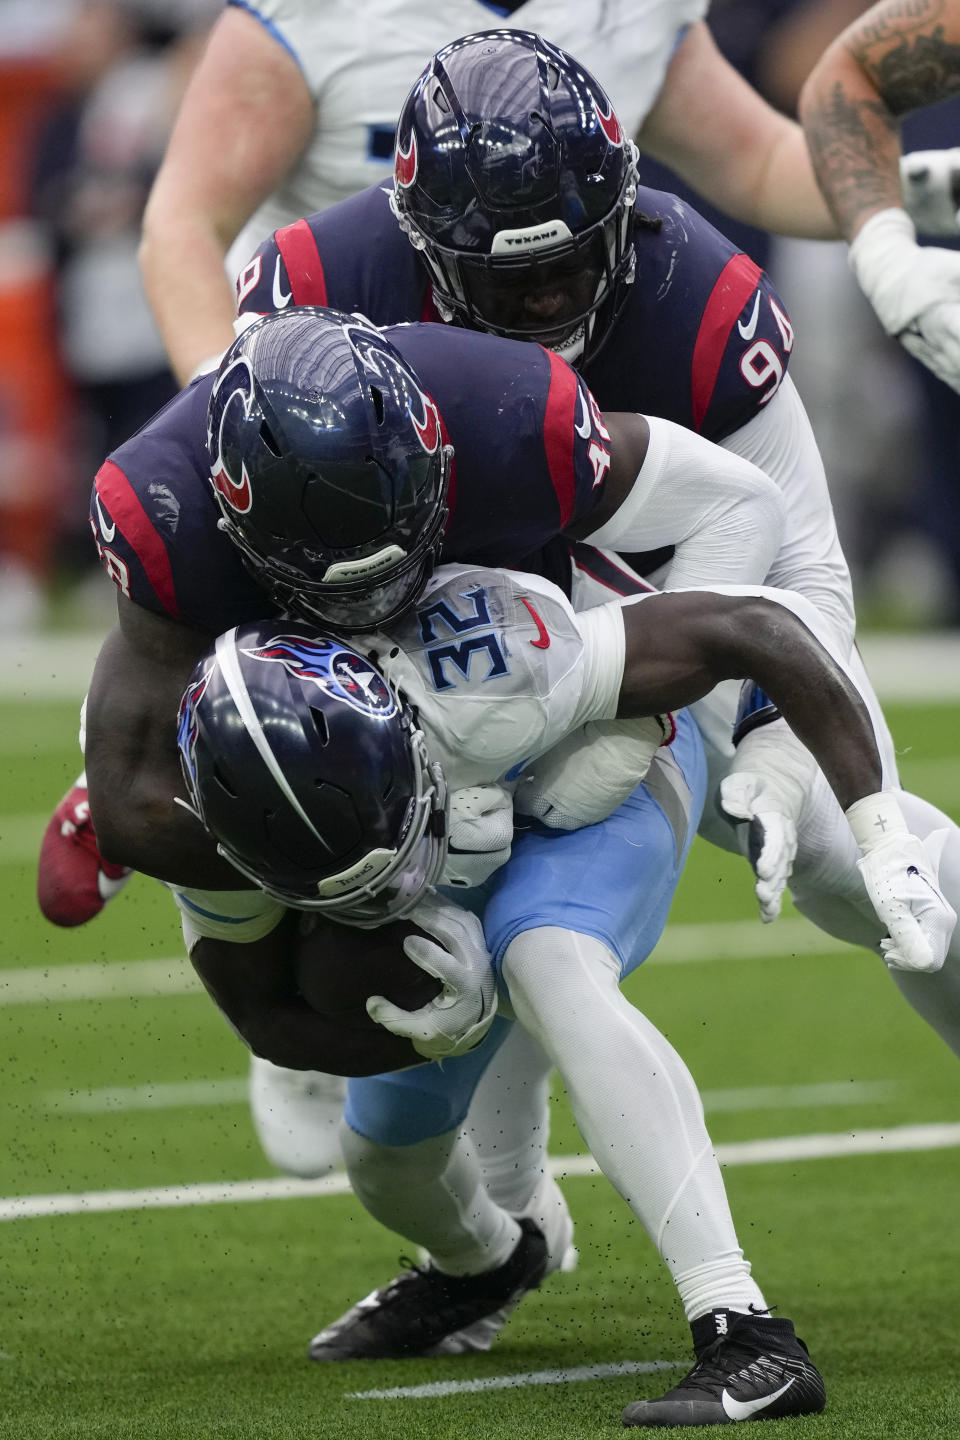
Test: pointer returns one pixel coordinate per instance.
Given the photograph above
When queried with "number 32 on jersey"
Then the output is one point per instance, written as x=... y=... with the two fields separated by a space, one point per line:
x=445 y=659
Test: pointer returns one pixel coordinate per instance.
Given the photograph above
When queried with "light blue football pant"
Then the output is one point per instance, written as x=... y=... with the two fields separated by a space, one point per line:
x=614 y=882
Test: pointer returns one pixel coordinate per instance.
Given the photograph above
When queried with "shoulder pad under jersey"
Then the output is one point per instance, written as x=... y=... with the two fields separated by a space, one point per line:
x=492 y=662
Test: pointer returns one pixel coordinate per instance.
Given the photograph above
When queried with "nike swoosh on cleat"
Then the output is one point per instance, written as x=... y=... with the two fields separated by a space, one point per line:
x=283 y=297
x=748 y=331
x=745 y=1409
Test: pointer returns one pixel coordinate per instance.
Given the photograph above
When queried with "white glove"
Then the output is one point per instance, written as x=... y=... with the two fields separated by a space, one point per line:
x=900 y=875
x=459 y=1017
x=767 y=786
x=914 y=290
x=930 y=185
x=591 y=773
x=481 y=834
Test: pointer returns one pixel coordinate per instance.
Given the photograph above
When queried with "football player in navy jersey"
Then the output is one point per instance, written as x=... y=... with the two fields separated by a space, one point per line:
x=549 y=238
x=326 y=465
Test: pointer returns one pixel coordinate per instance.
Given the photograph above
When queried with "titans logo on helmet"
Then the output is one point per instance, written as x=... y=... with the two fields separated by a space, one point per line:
x=187 y=724
x=340 y=673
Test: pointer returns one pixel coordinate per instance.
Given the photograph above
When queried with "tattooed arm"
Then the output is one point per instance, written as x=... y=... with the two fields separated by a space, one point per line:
x=899 y=56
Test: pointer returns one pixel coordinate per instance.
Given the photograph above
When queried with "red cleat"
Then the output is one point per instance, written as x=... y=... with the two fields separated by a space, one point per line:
x=74 y=882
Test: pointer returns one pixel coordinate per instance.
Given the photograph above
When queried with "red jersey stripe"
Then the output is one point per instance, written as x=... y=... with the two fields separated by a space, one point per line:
x=305 y=275
x=735 y=284
x=558 y=434
x=126 y=512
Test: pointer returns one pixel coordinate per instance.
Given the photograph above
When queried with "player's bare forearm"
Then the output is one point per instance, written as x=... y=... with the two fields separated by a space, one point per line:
x=679 y=646
x=133 y=770
x=716 y=131
x=188 y=290
x=898 y=57
x=233 y=141
x=254 y=985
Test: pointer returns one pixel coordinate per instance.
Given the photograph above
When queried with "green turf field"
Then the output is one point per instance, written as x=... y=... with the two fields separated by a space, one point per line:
x=192 y=1320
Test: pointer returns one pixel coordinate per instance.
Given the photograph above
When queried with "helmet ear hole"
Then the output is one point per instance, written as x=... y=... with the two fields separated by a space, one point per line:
x=223 y=782
x=323 y=730
x=377 y=397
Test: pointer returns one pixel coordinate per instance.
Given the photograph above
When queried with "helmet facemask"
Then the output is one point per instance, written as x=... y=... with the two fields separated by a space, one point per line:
x=516 y=182
x=486 y=291
x=386 y=884
x=360 y=596
x=255 y=729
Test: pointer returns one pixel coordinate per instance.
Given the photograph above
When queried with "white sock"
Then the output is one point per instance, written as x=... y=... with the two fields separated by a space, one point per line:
x=432 y=1194
x=637 y=1108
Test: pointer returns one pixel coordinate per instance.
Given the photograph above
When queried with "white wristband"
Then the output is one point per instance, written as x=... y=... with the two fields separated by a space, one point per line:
x=876 y=818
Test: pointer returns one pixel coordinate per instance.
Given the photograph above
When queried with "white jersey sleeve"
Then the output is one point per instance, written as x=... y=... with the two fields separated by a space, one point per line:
x=240 y=916
x=499 y=668
x=360 y=59
x=723 y=515
x=809 y=560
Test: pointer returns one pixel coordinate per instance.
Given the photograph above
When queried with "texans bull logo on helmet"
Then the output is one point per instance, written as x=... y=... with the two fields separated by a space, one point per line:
x=339 y=673
x=366 y=342
x=237 y=493
x=405 y=164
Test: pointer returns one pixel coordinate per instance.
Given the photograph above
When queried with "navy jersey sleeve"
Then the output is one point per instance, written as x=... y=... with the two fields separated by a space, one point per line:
x=703 y=339
x=154 y=523
x=352 y=257
x=531 y=453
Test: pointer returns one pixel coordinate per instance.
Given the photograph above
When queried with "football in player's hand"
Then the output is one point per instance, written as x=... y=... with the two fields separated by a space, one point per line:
x=338 y=967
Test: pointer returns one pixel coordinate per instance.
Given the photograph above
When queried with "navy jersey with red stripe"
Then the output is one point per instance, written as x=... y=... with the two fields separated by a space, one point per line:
x=531 y=455
x=703 y=338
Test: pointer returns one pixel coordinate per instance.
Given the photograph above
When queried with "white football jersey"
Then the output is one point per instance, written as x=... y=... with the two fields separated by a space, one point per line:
x=499 y=668
x=360 y=59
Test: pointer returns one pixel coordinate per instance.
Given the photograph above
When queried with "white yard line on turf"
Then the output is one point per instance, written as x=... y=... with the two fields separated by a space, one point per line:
x=114 y=1100
x=681 y=945
x=510 y=1382
x=748 y=1152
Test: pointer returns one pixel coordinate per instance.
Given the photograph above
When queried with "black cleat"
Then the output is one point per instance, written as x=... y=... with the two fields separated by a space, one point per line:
x=749 y=1367
x=425 y=1312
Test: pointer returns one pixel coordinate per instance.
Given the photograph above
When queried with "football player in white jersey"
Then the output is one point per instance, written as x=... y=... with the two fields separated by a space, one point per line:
x=632 y=1096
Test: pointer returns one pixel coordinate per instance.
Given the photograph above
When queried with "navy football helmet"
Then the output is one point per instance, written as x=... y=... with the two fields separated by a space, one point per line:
x=514 y=180
x=328 y=466
x=311 y=774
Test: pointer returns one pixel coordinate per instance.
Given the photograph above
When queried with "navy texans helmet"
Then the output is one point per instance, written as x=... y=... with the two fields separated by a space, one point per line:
x=513 y=178
x=328 y=466
x=311 y=774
